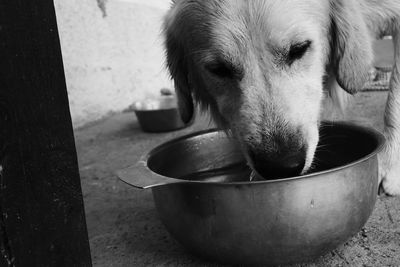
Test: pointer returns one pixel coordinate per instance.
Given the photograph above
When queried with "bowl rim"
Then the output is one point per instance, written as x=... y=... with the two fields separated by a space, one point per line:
x=369 y=130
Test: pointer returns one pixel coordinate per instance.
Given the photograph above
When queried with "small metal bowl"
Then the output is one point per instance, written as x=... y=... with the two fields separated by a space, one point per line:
x=215 y=212
x=159 y=115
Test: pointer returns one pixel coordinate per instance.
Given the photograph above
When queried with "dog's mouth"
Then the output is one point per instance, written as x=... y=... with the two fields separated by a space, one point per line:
x=279 y=155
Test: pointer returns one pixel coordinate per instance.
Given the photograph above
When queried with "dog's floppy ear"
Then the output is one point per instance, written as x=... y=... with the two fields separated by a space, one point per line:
x=351 y=45
x=177 y=64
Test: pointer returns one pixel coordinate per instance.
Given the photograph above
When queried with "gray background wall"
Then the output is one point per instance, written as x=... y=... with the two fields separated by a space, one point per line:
x=112 y=53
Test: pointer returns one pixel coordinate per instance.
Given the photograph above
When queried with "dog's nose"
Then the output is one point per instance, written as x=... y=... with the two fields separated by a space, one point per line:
x=281 y=166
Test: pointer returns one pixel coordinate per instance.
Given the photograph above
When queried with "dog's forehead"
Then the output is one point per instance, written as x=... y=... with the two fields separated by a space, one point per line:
x=227 y=28
x=276 y=21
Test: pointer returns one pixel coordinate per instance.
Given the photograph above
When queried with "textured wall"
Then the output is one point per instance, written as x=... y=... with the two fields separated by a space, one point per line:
x=112 y=54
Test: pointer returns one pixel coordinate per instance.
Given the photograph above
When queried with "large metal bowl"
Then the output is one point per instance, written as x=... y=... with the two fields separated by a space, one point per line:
x=231 y=220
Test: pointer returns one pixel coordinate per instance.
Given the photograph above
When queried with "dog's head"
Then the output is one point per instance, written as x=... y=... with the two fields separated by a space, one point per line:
x=259 y=67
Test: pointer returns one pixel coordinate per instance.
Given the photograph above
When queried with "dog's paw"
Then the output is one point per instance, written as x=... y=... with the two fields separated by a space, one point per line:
x=390 y=181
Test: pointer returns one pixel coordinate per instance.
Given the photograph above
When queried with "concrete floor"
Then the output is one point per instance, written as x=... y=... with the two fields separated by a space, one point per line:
x=123 y=226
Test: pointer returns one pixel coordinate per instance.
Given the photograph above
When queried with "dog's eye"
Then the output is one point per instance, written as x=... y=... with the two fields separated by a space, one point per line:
x=222 y=70
x=297 y=51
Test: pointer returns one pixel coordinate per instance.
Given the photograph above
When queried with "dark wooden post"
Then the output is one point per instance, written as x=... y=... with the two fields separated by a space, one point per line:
x=42 y=219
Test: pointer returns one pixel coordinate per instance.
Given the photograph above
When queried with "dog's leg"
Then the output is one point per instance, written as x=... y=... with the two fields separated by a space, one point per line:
x=389 y=158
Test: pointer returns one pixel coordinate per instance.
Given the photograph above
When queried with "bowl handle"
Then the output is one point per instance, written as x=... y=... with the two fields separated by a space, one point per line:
x=141 y=177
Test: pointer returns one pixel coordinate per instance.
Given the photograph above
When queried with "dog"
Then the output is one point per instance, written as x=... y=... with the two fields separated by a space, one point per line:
x=263 y=67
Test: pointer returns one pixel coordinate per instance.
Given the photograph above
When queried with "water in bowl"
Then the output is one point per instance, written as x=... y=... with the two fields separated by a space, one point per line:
x=241 y=172
x=236 y=172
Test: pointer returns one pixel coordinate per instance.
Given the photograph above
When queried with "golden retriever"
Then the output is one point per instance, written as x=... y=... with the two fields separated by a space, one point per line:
x=262 y=68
